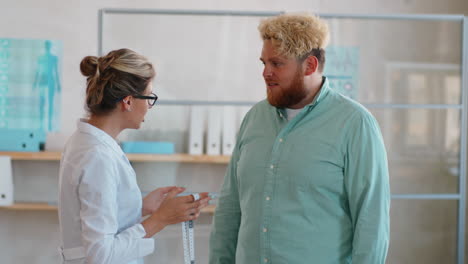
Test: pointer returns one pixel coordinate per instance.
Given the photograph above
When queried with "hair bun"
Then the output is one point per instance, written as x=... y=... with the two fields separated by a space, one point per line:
x=88 y=66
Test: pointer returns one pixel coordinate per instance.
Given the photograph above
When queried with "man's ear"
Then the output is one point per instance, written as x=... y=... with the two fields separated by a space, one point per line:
x=310 y=65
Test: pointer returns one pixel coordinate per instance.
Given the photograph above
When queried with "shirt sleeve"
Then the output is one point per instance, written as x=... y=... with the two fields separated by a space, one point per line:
x=367 y=185
x=226 y=221
x=98 y=196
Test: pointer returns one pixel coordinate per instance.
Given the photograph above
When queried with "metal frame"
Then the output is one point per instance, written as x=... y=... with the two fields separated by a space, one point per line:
x=460 y=196
x=463 y=148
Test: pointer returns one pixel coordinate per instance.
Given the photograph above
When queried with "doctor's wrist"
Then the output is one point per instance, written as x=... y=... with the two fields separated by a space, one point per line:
x=153 y=225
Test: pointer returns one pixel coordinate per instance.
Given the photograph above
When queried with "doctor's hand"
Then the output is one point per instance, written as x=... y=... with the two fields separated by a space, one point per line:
x=153 y=200
x=174 y=209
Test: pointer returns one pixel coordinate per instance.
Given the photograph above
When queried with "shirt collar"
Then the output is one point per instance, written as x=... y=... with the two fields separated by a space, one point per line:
x=85 y=127
x=322 y=93
x=324 y=90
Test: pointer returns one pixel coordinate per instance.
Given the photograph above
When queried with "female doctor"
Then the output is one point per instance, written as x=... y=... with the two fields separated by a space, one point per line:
x=101 y=209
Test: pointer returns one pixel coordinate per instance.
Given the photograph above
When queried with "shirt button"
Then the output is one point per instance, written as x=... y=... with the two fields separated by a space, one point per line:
x=268 y=198
x=265 y=260
x=280 y=140
x=272 y=166
x=265 y=230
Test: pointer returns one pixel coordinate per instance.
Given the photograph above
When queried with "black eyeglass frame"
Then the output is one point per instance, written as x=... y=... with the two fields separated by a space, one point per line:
x=147 y=97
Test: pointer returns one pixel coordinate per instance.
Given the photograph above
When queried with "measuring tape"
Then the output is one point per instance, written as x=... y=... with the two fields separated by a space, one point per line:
x=187 y=238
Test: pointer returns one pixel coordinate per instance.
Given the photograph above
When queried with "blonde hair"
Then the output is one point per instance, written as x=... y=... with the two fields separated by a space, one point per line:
x=295 y=35
x=112 y=77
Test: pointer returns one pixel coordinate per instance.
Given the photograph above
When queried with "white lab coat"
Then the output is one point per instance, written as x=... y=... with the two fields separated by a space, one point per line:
x=99 y=202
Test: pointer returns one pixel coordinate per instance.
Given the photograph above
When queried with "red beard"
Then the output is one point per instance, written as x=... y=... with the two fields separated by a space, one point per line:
x=285 y=97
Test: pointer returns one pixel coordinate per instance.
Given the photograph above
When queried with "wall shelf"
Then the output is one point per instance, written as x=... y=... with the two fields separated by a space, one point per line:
x=184 y=158
x=30 y=207
x=48 y=207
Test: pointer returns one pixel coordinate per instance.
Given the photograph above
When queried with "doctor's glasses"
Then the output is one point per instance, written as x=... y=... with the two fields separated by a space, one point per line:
x=151 y=99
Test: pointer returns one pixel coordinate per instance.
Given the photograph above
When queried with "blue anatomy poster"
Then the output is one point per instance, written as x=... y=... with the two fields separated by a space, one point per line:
x=342 y=69
x=30 y=84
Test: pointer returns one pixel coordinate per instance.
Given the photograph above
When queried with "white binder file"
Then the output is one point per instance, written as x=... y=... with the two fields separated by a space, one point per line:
x=213 y=135
x=230 y=128
x=6 y=181
x=197 y=125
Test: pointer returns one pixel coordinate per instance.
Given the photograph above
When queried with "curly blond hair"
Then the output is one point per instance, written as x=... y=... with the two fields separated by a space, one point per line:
x=295 y=35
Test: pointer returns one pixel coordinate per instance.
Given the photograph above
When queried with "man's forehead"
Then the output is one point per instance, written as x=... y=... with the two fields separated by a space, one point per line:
x=272 y=51
x=275 y=57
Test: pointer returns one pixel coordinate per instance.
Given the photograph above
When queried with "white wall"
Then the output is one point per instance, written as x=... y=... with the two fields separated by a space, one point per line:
x=31 y=237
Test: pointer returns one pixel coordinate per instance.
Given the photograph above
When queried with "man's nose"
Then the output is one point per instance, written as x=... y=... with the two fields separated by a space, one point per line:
x=267 y=72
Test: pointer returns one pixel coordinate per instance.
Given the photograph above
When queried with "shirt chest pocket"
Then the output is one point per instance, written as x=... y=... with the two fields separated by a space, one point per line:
x=312 y=166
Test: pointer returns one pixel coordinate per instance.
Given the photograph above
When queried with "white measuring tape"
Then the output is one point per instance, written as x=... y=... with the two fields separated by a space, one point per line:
x=187 y=238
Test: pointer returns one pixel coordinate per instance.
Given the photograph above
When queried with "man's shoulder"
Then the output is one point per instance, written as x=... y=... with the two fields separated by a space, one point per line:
x=350 y=106
x=260 y=107
x=263 y=104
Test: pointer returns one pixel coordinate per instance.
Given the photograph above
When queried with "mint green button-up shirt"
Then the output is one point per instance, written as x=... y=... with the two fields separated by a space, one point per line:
x=313 y=189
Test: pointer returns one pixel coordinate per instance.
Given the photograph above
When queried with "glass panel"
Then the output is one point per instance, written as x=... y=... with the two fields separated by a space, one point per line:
x=423 y=232
x=403 y=61
x=196 y=57
x=419 y=86
x=451 y=85
x=216 y=57
x=423 y=149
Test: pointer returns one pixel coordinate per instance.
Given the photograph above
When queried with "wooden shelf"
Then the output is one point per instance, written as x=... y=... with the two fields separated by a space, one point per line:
x=32 y=155
x=30 y=207
x=55 y=156
x=47 y=207
x=184 y=158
